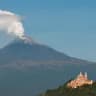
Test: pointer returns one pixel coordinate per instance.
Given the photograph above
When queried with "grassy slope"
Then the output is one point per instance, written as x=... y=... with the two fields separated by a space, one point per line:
x=85 y=90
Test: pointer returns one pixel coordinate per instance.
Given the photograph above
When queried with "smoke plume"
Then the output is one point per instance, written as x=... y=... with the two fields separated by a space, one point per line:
x=11 y=24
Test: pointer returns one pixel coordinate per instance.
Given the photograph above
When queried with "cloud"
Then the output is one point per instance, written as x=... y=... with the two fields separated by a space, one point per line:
x=11 y=24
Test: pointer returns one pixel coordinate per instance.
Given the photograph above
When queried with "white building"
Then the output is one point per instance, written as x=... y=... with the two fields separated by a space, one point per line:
x=80 y=81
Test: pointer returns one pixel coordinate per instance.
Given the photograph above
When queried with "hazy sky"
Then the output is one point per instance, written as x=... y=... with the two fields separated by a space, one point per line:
x=66 y=25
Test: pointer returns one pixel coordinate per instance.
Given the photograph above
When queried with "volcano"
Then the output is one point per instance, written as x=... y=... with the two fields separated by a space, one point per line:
x=27 y=52
x=27 y=68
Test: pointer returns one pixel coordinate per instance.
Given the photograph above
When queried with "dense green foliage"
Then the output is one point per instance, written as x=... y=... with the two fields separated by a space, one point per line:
x=86 y=90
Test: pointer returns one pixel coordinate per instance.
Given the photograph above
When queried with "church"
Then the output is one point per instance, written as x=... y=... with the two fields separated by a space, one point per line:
x=81 y=79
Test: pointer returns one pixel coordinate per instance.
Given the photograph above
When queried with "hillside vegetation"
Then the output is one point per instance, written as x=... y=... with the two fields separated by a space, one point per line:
x=86 y=90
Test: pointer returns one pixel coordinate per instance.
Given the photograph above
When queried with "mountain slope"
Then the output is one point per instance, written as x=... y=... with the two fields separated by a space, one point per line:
x=29 y=52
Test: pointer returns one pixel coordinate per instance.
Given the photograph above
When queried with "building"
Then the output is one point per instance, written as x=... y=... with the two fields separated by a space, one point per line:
x=80 y=80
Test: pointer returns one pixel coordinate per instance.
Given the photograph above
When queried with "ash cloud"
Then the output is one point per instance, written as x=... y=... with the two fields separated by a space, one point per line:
x=11 y=24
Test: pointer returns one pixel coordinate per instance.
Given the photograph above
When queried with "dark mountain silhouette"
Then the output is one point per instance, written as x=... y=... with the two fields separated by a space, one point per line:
x=29 y=52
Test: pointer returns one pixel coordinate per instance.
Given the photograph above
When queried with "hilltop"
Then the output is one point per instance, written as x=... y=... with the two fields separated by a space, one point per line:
x=65 y=90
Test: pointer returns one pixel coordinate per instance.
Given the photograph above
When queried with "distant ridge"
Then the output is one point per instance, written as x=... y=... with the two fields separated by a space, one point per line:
x=28 y=52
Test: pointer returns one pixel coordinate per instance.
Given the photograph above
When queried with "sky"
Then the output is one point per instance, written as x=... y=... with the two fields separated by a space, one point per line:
x=68 y=26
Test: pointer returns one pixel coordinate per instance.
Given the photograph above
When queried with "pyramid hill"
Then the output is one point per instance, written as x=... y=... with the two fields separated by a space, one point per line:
x=87 y=88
